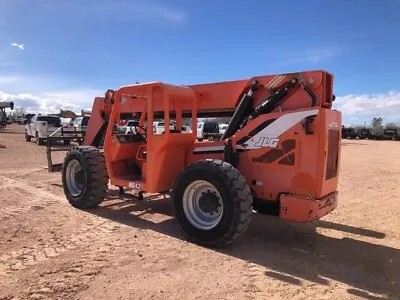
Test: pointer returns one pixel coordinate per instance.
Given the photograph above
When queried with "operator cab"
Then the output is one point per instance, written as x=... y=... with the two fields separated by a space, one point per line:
x=149 y=156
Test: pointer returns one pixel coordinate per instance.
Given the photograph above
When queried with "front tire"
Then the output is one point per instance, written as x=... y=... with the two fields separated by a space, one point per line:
x=212 y=203
x=84 y=177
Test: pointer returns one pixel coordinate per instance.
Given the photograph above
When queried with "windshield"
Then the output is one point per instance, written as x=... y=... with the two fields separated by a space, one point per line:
x=54 y=121
x=131 y=123
x=211 y=127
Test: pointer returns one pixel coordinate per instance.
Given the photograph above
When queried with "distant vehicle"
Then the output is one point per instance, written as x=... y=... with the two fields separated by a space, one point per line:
x=349 y=133
x=364 y=133
x=81 y=123
x=391 y=134
x=129 y=127
x=25 y=120
x=186 y=129
x=222 y=128
x=208 y=130
x=159 y=126
x=41 y=126
x=67 y=122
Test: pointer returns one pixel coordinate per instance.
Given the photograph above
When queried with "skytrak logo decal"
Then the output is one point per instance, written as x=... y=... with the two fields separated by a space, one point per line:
x=265 y=141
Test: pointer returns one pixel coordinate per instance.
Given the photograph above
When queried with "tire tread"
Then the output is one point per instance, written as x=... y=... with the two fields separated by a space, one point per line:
x=242 y=199
x=97 y=187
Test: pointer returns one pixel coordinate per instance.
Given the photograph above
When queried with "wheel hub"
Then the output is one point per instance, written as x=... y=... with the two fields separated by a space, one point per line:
x=202 y=204
x=208 y=202
x=75 y=178
x=79 y=177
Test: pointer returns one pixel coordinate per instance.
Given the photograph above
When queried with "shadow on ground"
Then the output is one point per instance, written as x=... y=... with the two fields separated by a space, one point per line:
x=289 y=252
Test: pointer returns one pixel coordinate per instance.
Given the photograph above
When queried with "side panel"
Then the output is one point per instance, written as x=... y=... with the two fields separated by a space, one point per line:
x=329 y=156
x=278 y=156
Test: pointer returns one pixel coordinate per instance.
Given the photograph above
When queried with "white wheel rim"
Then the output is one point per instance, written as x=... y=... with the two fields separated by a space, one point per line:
x=197 y=196
x=74 y=180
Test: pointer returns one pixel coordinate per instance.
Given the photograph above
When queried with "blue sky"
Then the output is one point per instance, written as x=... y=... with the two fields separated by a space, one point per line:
x=74 y=50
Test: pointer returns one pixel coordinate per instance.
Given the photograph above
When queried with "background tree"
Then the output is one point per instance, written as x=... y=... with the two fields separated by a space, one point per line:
x=391 y=125
x=20 y=111
x=376 y=123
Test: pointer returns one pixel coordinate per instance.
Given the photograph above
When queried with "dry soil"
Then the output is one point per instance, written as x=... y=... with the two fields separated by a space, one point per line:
x=135 y=250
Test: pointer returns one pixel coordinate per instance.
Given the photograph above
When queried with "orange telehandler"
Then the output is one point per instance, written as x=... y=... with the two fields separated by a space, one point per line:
x=281 y=148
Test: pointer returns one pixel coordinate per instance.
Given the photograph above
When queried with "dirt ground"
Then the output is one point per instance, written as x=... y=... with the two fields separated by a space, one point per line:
x=135 y=250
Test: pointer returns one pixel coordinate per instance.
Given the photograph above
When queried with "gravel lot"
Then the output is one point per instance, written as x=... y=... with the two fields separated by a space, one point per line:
x=135 y=250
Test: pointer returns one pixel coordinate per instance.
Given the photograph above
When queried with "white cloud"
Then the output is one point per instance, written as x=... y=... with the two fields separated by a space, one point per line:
x=20 y=46
x=51 y=102
x=45 y=93
x=360 y=108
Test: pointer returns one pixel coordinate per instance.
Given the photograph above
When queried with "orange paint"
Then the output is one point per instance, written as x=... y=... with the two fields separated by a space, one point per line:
x=298 y=169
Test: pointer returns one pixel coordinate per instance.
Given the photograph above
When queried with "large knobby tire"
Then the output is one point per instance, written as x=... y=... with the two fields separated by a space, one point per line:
x=84 y=177
x=212 y=202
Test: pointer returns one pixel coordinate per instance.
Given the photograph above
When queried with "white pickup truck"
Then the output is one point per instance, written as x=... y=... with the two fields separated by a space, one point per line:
x=41 y=127
x=208 y=130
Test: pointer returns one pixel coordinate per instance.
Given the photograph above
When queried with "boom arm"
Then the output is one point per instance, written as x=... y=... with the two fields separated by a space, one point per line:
x=266 y=94
x=242 y=100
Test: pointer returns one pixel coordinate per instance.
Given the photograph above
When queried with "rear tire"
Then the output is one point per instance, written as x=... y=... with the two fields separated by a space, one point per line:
x=227 y=217
x=27 y=137
x=84 y=177
x=39 y=140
